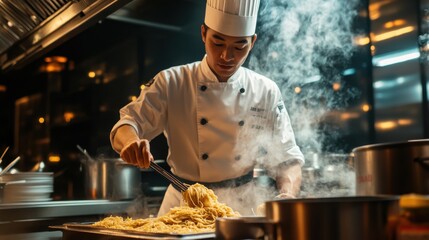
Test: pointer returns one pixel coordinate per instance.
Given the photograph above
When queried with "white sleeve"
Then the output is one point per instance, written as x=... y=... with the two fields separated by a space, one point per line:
x=283 y=147
x=147 y=114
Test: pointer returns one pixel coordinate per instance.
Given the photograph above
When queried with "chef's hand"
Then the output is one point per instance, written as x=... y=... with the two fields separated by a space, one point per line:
x=131 y=148
x=284 y=196
x=137 y=153
x=289 y=179
x=260 y=210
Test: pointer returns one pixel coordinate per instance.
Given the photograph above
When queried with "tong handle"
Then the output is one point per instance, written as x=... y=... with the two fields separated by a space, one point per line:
x=171 y=178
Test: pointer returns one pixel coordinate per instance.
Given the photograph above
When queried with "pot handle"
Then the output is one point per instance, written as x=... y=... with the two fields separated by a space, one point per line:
x=424 y=161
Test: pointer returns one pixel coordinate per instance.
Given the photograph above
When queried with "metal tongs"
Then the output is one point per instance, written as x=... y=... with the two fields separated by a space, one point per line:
x=170 y=177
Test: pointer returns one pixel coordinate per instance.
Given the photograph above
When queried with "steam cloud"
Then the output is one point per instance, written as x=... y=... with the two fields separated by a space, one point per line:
x=302 y=42
x=307 y=44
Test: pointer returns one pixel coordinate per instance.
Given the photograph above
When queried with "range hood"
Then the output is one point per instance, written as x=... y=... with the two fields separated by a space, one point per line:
x=30 y=28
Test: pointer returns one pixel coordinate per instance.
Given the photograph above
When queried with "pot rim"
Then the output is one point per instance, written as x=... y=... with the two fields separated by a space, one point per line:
x=415 y=142
x=346 y=199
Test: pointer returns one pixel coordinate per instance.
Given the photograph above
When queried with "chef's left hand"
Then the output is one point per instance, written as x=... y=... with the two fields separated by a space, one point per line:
x=260 y=210
x=284 y=196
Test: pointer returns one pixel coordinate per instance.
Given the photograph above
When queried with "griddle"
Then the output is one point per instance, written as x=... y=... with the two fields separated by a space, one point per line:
x=73 y=231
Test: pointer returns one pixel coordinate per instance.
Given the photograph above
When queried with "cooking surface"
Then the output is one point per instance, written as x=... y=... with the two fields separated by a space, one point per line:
x=81 y=230
x=32 y=220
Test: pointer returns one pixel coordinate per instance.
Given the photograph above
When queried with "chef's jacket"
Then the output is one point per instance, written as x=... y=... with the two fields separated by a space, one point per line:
x=215 y=130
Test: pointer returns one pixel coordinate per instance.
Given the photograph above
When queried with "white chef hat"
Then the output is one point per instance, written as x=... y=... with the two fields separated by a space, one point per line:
x=232 y=17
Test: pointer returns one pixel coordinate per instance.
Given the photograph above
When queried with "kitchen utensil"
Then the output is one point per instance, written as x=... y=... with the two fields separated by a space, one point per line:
x=3 y=185
x=1 y=158
x=392 y=168
x=85 y=153
x=126 y=181
x=10 y=165
x=27 y=187
x=170 y=177
x=229 y=228
x=351 y=218
x=110 y=178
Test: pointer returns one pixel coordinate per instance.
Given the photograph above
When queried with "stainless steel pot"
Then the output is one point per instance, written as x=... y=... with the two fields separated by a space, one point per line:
x=111 y=179
x=230 y=228
x=351 y=218
x=392 y=168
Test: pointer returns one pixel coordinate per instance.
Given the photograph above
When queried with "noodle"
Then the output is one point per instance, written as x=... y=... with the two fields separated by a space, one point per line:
x=197 y=215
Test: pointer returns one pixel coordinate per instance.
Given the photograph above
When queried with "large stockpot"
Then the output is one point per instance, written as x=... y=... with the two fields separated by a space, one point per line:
x=111 y=178
x=392 y=168
x=351 y=218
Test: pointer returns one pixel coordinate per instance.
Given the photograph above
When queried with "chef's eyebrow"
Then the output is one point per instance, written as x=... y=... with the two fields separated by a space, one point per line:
x=239 y=41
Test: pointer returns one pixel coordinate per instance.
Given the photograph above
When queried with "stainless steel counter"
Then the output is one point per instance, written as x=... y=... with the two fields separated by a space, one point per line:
x=32 y=220
x=53 y=209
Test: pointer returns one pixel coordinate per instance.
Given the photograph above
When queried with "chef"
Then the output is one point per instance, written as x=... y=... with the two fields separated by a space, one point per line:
x=220 y=119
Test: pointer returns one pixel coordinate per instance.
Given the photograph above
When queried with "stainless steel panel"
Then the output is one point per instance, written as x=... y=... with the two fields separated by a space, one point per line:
x=396 y=71
x=37 y=8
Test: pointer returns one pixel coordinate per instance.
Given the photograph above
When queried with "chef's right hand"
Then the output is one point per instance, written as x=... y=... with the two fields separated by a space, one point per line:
x=137 y=153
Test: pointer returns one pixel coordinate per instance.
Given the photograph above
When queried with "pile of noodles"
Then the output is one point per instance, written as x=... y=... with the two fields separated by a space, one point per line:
x=197 y=215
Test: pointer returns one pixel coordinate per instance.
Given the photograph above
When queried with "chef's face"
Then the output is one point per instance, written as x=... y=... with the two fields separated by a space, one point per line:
x=225 y=54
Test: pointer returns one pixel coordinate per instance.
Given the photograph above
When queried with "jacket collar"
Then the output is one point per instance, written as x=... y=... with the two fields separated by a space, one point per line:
x=211 y=77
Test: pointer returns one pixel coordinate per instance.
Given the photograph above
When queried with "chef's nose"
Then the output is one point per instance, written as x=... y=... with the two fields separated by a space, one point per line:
x=227 y=54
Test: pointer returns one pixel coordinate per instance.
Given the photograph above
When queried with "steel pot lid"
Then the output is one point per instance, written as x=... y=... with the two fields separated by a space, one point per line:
x=380 y=146
x=345 y=199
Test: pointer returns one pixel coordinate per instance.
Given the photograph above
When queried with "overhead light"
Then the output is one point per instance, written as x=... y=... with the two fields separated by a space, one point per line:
x=68 y=116
x=385 y=125
x=396 y=57
x=388 y=83
x=395 y=23
x=91 y=74
x=54 y=158
x=336 y=86
x=349 y=71
x=362 y=40
x=366 y=107
x=391 y=34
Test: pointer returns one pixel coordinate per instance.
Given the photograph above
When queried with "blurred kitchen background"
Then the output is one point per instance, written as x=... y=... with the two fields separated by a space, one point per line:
x=68 y=66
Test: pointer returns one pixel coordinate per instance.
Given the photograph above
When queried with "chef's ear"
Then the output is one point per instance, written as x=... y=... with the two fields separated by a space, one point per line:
x=203 y=32
x=254 y=37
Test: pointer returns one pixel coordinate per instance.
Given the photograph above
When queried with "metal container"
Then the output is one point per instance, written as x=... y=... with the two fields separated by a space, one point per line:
x=351 y=218
x=126 y=181
x=26 y=187
x=111 y=179
x=392 y=168
x=327 y=175
x=229 y=228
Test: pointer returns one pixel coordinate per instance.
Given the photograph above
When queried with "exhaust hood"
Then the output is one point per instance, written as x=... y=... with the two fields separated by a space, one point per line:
x=30 y=28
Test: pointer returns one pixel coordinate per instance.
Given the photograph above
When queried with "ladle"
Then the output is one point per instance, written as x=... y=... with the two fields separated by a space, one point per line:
x=6 y=169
